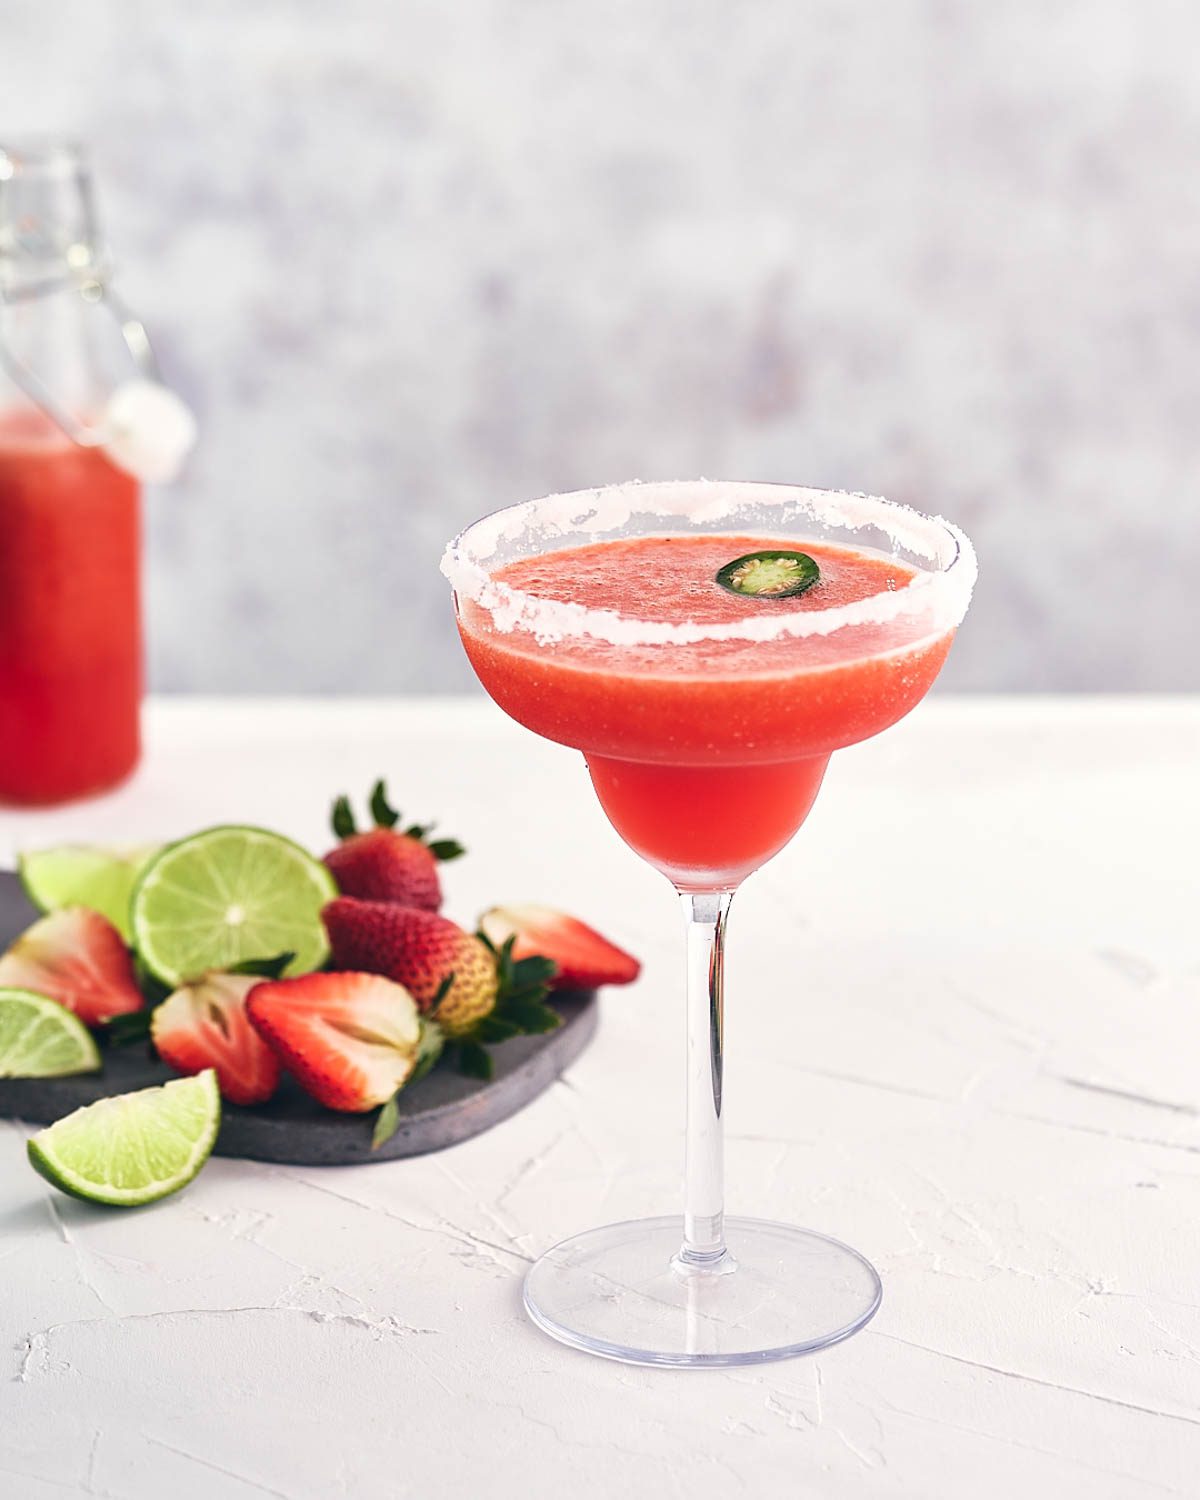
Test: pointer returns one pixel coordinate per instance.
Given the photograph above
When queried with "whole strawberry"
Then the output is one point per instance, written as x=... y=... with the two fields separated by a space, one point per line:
x=476 y=993
x=386 y=864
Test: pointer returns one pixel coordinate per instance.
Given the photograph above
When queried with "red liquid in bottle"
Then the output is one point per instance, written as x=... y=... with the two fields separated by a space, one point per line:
x=70 y=615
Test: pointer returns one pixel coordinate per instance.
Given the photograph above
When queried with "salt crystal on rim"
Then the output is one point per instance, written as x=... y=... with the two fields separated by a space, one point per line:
x=943 y=591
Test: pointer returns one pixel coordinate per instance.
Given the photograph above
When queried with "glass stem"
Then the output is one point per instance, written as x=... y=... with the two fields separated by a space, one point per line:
x=704 y=1173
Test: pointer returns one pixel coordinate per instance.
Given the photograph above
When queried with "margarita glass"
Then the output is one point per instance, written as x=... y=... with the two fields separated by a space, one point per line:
x=707 y=646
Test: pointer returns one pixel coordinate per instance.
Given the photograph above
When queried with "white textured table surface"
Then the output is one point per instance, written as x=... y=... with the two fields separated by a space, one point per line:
x=964 y=1035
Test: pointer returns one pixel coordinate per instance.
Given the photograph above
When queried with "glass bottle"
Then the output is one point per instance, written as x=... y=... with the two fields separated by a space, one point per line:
x=70 y=523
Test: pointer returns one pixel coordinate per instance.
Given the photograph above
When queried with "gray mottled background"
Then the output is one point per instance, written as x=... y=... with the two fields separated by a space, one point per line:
x=411 y=261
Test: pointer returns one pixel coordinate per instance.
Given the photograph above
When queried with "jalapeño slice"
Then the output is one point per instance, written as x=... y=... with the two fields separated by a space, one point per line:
x=775 y=574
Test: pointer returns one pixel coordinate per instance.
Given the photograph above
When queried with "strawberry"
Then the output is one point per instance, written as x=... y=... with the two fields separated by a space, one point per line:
x=77 y=957
x=204 y=1025
x=476 y=992
x=384 y=864
x=350 y=1040
x=584 y=958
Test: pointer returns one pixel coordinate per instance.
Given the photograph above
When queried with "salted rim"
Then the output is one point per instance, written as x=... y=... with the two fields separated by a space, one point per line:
x=943 y=592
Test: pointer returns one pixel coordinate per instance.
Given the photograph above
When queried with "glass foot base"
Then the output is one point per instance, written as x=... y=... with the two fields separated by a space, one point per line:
x=615 y=1292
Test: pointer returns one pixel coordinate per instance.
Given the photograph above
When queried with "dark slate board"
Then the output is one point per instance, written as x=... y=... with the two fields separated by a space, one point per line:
x=441 y=1110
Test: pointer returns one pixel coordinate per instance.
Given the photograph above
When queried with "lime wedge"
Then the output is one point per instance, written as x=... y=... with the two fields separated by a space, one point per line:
x=225 y=895
x=132 y=1148
x=82 y=875
x=39 y=1038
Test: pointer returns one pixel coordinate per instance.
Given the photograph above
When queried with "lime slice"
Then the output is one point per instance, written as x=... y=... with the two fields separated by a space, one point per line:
x=774 y=574
x=132 y=1148
x=228 y=894
x=82 y=875
x=39 y=1038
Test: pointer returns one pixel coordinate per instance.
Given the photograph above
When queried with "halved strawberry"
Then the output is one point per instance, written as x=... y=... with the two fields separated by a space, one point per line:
x=77 y=957
x=205 y=1025
x=584 y=958
x=350 y=1040
x=385 y=864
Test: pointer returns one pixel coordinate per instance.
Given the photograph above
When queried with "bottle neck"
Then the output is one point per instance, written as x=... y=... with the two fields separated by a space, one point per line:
x=52 y=338
x=52 y=268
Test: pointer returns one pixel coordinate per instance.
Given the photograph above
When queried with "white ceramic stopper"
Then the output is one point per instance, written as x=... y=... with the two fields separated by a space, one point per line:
x=150 y=430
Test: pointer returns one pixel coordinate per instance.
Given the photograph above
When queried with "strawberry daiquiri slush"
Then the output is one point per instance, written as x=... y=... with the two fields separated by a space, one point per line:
x=706 y=756
x=707 y=646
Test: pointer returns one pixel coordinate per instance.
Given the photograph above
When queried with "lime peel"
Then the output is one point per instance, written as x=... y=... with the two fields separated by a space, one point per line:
x=135 y=1148
x=85 y=875
x=228 y=894
x=39 y=1038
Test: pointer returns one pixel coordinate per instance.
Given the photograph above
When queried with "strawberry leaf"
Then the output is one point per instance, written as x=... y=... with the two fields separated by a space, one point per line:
x=532 y=1017
x=520 y=990
x=384 y=814
x=387 y=1122
x=153 y=989
x=443 y=990
x=504 y=968
x=532 y=973
x=344 y=826
x=124 y=1030
x=475 y=1061
x=446 y=849
x=495 y=1028
x=531 y=994
x=429 y=1050
x=265 y=968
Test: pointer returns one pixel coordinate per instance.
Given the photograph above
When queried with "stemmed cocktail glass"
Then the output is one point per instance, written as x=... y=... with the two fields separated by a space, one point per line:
x=707 y=646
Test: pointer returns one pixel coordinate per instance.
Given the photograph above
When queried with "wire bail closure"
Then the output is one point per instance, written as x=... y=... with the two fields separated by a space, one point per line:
x=90 y=283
